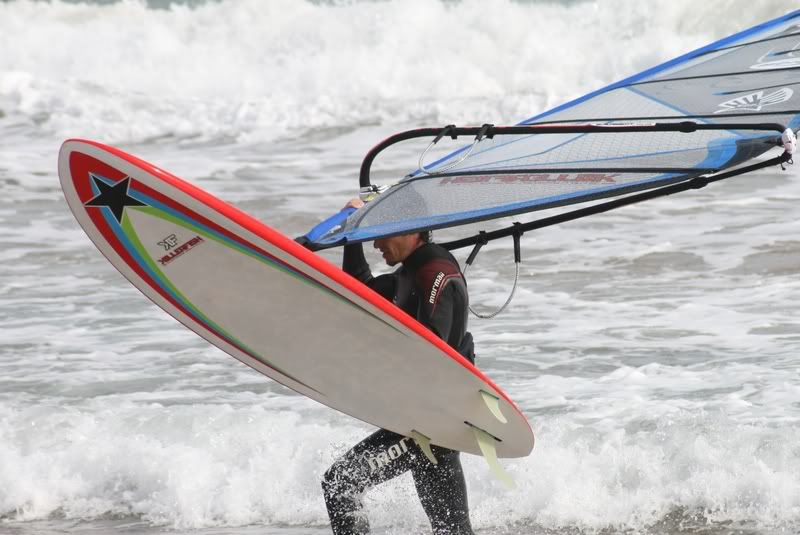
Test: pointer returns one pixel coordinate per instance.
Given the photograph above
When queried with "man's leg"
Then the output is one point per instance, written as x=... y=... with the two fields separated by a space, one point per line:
x=378 y=458
x=443 y=493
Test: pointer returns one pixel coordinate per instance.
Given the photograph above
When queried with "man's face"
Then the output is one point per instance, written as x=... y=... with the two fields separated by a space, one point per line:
x=397 y=248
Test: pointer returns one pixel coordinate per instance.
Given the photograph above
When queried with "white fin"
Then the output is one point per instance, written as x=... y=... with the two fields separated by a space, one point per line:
x=492 y=402
x=424 y=444
x=486 y=443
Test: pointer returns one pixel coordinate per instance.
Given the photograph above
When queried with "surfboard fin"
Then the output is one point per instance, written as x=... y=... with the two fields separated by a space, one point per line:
x=492 y=403
x=424 y=444
x=486 y=442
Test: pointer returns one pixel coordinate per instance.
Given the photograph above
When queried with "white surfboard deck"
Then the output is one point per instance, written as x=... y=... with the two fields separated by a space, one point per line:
x=280 y=309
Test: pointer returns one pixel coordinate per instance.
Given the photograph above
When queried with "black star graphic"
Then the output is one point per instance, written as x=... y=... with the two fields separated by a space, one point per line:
x=114 y=197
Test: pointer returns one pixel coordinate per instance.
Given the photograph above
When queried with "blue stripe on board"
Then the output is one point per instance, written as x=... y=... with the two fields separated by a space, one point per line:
x=116 y=228
x=273 y=261
x=189 y=309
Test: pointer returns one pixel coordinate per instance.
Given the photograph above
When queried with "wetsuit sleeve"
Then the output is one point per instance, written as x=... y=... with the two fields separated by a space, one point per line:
x=447 y=317
x=440 y=315
x=438 y=282
x=354 y=263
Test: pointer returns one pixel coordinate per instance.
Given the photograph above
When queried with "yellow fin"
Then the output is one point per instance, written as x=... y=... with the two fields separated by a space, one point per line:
x=493 y=403
x=486 y=442
x=424 y=444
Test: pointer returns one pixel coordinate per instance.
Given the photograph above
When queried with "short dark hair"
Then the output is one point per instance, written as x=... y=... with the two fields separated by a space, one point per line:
x=426 y=235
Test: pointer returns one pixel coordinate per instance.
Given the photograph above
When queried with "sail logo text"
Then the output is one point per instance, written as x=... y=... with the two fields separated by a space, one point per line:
x=782 y=58
x=756 y=101
x=586 y=178
x=178 y=251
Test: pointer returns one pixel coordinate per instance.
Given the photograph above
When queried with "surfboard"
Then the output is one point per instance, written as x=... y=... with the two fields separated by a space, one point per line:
x=284 y=311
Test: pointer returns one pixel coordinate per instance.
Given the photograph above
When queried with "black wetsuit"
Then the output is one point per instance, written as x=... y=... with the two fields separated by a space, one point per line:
x=429 y=286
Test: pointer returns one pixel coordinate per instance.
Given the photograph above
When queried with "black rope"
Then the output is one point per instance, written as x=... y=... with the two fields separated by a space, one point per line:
x=486 y=130
x=480 y=242
x=445 y=131
x=518 y=232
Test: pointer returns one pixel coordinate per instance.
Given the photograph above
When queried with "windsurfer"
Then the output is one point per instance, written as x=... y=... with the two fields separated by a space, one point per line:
x=428 y=286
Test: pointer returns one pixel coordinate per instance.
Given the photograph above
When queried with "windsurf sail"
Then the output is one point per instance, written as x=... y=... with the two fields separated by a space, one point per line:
x=704 y=116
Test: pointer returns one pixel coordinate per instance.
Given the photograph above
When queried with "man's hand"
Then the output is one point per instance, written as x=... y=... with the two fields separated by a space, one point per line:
x=354 y=203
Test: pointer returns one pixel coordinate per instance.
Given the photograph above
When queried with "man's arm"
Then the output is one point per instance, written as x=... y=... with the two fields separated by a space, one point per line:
x=438 y=282
x=354 y=263
x=447 y=316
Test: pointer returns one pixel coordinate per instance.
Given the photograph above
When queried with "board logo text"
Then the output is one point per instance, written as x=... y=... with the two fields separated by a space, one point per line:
x=169 y=242
x=178 y=251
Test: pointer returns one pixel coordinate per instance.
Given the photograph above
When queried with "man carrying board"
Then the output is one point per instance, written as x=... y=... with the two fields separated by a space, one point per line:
x=428 y=286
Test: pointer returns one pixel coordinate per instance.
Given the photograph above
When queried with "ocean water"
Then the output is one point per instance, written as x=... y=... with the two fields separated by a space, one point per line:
x=653 y=349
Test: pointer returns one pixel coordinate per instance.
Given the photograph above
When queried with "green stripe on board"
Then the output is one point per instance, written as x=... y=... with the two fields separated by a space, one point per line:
x=164 y=280
x=160 y=214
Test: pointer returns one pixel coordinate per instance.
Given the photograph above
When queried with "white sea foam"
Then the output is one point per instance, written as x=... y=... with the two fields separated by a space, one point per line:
x=253 y=70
